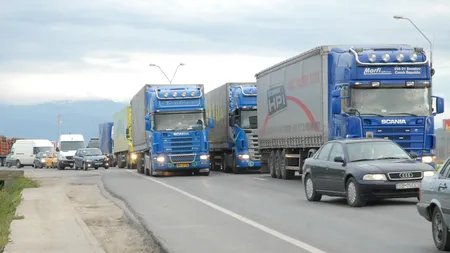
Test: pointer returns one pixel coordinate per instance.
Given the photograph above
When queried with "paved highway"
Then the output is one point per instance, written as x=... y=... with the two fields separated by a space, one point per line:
x=254 y=213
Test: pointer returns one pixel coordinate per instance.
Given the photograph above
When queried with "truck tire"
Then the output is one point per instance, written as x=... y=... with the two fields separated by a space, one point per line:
x=236 y=169
x=277 y=164
x=271 y=164
x=285 y=173
x=225 y=166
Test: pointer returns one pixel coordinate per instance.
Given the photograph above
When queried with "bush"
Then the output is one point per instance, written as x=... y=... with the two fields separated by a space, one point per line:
x=10 y=197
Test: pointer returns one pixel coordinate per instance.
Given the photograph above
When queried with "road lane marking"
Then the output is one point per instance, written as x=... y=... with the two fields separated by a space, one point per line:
x=239 y=217
x=259 y=178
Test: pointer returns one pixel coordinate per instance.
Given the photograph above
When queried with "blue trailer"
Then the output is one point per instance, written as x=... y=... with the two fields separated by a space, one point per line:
x=106 y=140
x=332 y=92
x=234 y=140
x=170 y=130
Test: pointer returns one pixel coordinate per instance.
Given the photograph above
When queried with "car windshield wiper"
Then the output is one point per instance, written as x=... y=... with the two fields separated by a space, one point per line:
x=365 y=159
x=406 y=113
x=391 y=157
x=374 y=114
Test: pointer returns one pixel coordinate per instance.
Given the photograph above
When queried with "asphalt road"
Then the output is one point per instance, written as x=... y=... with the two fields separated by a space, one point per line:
x=254 y=213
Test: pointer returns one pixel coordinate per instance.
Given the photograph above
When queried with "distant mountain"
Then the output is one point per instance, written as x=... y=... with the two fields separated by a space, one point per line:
x=41 y=121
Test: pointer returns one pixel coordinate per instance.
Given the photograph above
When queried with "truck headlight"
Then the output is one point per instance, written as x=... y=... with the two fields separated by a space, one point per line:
x=133 y=156
x=374 y=177
x=244 y=156
x=160 y=159
x=429 y=173
x=204 y=157
x=428 y=159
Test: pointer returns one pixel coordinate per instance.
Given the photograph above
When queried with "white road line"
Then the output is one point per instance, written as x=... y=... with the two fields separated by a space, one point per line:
x=261 y=227
x=259 y=178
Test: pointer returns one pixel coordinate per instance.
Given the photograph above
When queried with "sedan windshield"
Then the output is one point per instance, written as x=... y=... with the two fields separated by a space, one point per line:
x=392 y=101
x=365 y=151
x=91 y=152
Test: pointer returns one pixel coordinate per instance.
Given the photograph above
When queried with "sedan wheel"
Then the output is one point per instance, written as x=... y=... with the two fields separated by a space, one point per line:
x=354 y=198
x=310 y=190
x=441 y=235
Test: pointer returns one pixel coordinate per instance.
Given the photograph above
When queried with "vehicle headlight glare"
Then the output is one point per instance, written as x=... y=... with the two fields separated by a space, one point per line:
x=400 y=57
x=203 y=157
x=386 y=57
x=427 y=159
x=133 y=156
x=160 y=159
x=413 y=57
x=428 y=173
x=372 y=57
x=174 y=94
x=88 y=161
x=245 y=156
x=374 y=177
x=183 y=94
x=43 y=160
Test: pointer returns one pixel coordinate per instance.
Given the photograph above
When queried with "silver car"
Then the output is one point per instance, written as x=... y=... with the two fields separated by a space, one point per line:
x=434 y=205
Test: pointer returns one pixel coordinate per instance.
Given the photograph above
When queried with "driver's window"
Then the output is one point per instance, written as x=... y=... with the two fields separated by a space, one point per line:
x=445 y=168
x=325 y=152
x=35 y=151
x=336 y=151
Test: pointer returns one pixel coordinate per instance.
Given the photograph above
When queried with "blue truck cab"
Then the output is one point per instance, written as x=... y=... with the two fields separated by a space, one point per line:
x=175 y=129
x=384 y=92
x=244 y=126
x=234 y=140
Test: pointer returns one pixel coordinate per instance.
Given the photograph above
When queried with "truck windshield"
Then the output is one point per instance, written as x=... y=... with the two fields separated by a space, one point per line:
x=71 y=145
x=249 y=119
x=179 y=121
x=392 y=101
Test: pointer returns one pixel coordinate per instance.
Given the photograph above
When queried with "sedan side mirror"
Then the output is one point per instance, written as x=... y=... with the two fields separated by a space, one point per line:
x=413 y=155
x=339 y=159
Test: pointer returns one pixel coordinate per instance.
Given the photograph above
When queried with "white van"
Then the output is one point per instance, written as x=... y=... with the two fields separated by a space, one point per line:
x=67 y=145
x=24 y=151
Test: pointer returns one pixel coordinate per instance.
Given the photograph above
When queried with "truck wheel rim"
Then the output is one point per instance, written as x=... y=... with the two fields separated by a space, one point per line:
x=438 y=228
x=309 y=188
x=351 y=192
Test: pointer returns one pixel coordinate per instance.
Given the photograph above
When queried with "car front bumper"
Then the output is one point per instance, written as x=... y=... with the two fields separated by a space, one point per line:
x=386 y=189
x=424 y=210
x=66 y=163
x=98 y=164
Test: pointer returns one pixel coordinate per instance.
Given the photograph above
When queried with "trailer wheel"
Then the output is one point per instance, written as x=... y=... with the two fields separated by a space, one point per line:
x=271 y=164
x=278 y=164
x=225 y=165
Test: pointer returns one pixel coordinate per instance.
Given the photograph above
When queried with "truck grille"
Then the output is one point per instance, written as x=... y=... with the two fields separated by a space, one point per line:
x=407 y=175
x=183 y=144
x=409 y=138
x=182 y=158
x=253 y=145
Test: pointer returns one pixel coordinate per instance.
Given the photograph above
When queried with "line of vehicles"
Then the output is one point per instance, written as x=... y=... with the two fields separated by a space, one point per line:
x=274 y=124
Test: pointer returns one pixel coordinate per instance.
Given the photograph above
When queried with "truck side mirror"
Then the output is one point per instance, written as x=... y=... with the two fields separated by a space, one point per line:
x=336 y=94
x=127 y=133
x=439 y=105
x=210 y=123
x=57 y=149
x=336 y=105
x=148 y=126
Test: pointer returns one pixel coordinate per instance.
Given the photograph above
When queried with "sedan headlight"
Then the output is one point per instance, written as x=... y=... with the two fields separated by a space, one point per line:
x=428 y=159
x=429 y=173
x=133 y=156
x=374 y=177
x=204 y=157
x=42 y=160
x=61 y=157
x=88 y=160
x=160 y=159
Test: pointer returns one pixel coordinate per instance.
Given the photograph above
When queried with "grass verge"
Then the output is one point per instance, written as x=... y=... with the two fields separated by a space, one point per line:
x=10 y=197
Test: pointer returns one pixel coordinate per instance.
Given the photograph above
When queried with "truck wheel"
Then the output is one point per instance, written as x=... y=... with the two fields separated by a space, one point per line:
x=285 y=173
x=272 y=164
x=277 y=164
x=225 y=166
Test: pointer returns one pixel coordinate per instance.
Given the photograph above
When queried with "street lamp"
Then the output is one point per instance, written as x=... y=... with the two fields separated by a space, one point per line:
x=173 y=76
x=431 y=44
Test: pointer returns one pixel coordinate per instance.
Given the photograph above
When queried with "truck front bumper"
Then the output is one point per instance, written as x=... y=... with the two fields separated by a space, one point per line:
x=248 y=164
x=168 y=166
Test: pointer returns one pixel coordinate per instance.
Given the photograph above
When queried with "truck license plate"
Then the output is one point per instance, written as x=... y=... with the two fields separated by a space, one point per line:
x=409 y=185
x=98 y=163
x=182 y=165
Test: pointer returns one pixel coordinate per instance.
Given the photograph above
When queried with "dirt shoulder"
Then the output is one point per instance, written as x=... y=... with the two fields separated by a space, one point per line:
x=114 y=230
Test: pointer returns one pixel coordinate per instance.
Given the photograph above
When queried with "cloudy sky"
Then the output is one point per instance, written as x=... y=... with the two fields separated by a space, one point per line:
x=60 y=49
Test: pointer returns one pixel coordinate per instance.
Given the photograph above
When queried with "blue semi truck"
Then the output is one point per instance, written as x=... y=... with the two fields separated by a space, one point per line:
x=105 y=131
x=332 y=92
x=170 y=129
x=234 y=140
